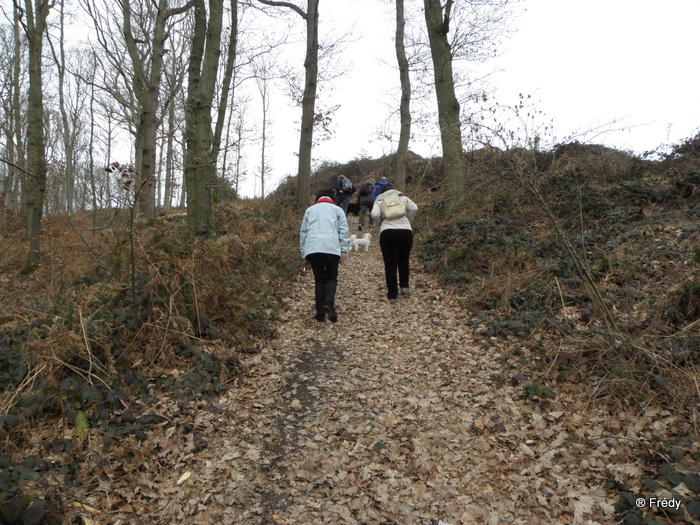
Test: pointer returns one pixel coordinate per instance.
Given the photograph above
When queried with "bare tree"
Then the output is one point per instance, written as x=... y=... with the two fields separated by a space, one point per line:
x=169 y=158
x=68 y=127
x=12 y=54
x=175 y=75
x=8 y=86
x=308 y=114
x=262 y=81
x=405 y=107
x=227 y=80
x=458 y=35
x=200 y=160
x=240 y=137
x=18 y=139
x=133 y=72
x=437 y=20
x=33 y=20
x=147 y=89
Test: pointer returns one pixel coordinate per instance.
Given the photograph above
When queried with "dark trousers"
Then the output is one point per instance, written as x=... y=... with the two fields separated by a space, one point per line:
x=325 y=268
x=396 y=248
x=365 y=208
x=343 y=200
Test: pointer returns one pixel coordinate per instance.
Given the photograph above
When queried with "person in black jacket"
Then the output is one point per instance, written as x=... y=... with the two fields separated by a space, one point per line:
x=343 y=190
x=366 y=203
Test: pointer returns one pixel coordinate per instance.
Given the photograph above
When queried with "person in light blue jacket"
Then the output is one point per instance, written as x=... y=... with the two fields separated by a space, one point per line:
x=324 y=238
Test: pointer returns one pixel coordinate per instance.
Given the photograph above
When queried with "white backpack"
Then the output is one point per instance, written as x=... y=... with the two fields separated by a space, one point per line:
x=393 y=206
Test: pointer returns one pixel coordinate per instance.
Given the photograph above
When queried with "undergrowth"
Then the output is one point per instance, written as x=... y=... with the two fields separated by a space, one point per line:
x=88 y=349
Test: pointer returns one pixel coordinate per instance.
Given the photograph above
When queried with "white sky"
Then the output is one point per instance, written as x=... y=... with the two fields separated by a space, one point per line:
x=585 y=63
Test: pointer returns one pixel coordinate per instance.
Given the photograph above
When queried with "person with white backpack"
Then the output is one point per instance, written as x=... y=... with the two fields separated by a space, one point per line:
x=394 y=213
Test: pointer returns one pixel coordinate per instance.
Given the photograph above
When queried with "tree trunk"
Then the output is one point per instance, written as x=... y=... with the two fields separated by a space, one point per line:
x=263 y=149
x=108 y=152
x=308 y=105
x=262 y=71
x=405 y=110
x=226 y=83
x=91 y=156
x=15 y=139
x=147 y=86
x=200 y=162
x=238 y=162
x=36 y=155
x=68 y=133
x=169 y=155
x=448 y=107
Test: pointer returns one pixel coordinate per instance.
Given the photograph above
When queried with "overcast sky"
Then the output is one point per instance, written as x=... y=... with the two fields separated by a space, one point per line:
x=586 y=64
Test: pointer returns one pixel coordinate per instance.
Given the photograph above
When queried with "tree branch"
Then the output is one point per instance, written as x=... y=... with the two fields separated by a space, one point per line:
x=20 y=17
x=17 y=167
x=179 y=10
x=291 y=6
x=446 y=19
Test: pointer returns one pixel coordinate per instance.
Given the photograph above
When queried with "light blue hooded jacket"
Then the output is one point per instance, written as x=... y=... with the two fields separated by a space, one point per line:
x=324 y=230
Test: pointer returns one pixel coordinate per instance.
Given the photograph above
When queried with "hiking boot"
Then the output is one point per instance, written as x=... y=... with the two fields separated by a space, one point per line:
x=405 y=291
x=330 y=312
x=320 y=317
x=392 y=301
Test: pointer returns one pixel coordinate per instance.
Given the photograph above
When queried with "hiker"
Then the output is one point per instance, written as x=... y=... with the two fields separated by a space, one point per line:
x=395 y=237
x=324 y=240
x=378 y=188
x=343 y=190
x=366 y=202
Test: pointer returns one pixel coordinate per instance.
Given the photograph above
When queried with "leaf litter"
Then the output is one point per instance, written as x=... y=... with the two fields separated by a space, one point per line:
x=394 y=414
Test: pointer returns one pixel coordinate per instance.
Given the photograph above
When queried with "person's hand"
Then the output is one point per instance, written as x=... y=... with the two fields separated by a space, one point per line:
x=343 y=256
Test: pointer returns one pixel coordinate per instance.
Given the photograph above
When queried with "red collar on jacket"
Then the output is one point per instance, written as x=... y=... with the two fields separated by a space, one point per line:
x=325 y=199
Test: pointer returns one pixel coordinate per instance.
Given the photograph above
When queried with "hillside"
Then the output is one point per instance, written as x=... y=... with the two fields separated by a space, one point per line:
x=545 y=368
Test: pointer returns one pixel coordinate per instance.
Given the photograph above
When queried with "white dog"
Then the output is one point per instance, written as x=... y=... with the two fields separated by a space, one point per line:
x=356 y=243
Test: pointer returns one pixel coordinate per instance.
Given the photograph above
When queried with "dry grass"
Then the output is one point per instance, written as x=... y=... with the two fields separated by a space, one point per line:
x=78 y=316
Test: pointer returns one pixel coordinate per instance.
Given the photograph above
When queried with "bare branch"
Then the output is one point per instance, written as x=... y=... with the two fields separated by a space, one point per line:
x=21 y=17
x=179 y=10
x=289 y=5
x=18 y=167
x=447 y=17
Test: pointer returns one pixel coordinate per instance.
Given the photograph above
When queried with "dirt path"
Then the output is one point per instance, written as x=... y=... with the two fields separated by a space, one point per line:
x=395 y=414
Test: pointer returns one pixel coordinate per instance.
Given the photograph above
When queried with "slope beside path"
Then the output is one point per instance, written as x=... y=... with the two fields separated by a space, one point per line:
x=394 y=414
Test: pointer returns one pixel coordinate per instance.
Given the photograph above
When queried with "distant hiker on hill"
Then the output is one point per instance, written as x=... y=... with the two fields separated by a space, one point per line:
x=343 y=190
x=366 y=202
x=378 y=188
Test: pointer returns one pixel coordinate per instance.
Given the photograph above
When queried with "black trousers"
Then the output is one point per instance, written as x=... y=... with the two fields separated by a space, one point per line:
x=325 y=268
x=365 y=209
x=396 y=248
